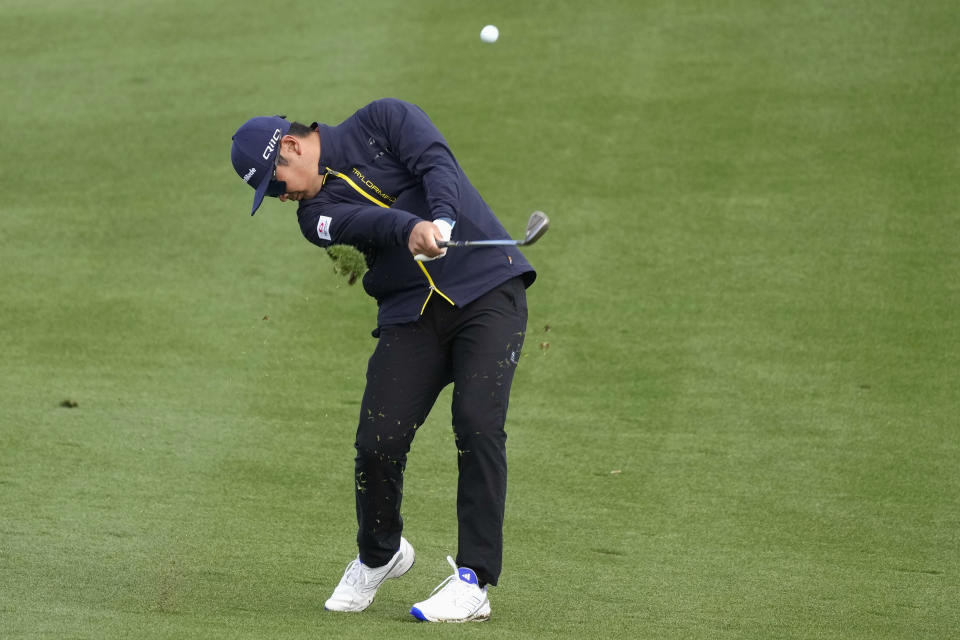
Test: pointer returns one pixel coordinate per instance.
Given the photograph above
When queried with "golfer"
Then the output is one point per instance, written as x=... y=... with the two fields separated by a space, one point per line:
x=385 y=181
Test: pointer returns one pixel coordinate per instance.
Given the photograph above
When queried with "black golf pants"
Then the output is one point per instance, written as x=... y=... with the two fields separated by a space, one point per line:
x=477 y=348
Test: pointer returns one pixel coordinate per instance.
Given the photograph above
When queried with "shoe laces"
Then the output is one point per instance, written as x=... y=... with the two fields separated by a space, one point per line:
x=359 y=576
x=354 y=573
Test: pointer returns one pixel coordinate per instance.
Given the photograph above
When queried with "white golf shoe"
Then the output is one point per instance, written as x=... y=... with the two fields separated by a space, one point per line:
x=359 y=583
x=459 y=598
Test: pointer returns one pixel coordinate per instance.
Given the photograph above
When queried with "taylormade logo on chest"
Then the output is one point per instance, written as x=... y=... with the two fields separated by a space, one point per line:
x=271 y=145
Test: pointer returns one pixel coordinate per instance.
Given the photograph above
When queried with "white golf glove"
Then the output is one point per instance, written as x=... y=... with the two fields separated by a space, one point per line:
x=446 y=228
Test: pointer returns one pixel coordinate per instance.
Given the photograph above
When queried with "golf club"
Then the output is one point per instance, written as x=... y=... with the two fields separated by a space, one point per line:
x=536 y=227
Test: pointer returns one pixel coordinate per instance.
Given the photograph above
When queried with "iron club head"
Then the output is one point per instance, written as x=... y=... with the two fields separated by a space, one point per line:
x=536 y=227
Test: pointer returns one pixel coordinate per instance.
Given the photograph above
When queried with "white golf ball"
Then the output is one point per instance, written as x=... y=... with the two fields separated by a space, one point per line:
x=489 y=33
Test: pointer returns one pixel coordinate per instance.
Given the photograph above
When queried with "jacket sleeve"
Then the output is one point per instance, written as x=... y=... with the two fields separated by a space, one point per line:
x=420 y=146
x=355 y=224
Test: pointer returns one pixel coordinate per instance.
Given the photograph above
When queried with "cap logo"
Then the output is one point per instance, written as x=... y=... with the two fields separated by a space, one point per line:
x=249 y=175
x=271 y=145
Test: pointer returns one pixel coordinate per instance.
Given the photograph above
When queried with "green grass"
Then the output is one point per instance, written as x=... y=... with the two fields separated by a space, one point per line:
x=741 y=422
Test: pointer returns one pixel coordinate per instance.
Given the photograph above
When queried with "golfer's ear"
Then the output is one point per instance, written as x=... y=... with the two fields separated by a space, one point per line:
x=291 y=144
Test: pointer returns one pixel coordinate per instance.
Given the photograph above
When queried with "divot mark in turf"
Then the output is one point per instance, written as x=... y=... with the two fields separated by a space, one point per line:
x=608 y=552
x=929 y=572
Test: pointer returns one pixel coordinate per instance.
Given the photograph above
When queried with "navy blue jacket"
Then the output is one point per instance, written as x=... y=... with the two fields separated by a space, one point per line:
x=388 y=168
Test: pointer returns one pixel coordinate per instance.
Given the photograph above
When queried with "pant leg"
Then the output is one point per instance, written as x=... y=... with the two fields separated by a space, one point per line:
x=405 y=374
x=485 y=353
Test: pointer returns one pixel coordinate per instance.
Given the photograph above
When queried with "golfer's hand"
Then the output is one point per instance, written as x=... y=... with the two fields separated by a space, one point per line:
x=423 y=241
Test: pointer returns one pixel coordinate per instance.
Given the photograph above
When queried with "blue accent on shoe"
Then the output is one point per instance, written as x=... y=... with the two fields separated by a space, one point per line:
x=468 y=576
x=416 y=613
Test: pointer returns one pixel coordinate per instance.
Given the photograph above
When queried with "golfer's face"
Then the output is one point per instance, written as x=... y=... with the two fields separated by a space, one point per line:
x=301 y=180
x=299 y=172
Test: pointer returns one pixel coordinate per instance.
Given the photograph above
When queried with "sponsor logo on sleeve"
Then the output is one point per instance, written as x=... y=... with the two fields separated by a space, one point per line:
x=323 y=227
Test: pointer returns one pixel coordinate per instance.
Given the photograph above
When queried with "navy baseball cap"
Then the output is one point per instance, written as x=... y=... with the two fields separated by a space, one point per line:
x=255 y=148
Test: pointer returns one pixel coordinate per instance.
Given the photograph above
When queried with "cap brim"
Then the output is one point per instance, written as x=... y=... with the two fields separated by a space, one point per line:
x=259 y=194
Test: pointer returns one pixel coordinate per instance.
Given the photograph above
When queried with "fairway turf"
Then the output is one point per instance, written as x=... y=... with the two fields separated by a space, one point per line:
x=736 y=411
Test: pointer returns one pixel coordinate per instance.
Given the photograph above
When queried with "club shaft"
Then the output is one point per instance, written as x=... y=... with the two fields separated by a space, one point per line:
x=478 y=243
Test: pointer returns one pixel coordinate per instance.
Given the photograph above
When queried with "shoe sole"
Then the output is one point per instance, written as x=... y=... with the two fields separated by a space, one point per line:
x=477 y=617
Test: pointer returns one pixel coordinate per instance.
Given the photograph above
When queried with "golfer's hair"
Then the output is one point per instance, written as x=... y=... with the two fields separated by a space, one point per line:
x=297 y=130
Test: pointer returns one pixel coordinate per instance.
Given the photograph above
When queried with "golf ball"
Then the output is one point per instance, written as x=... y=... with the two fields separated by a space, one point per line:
x=489 y=33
